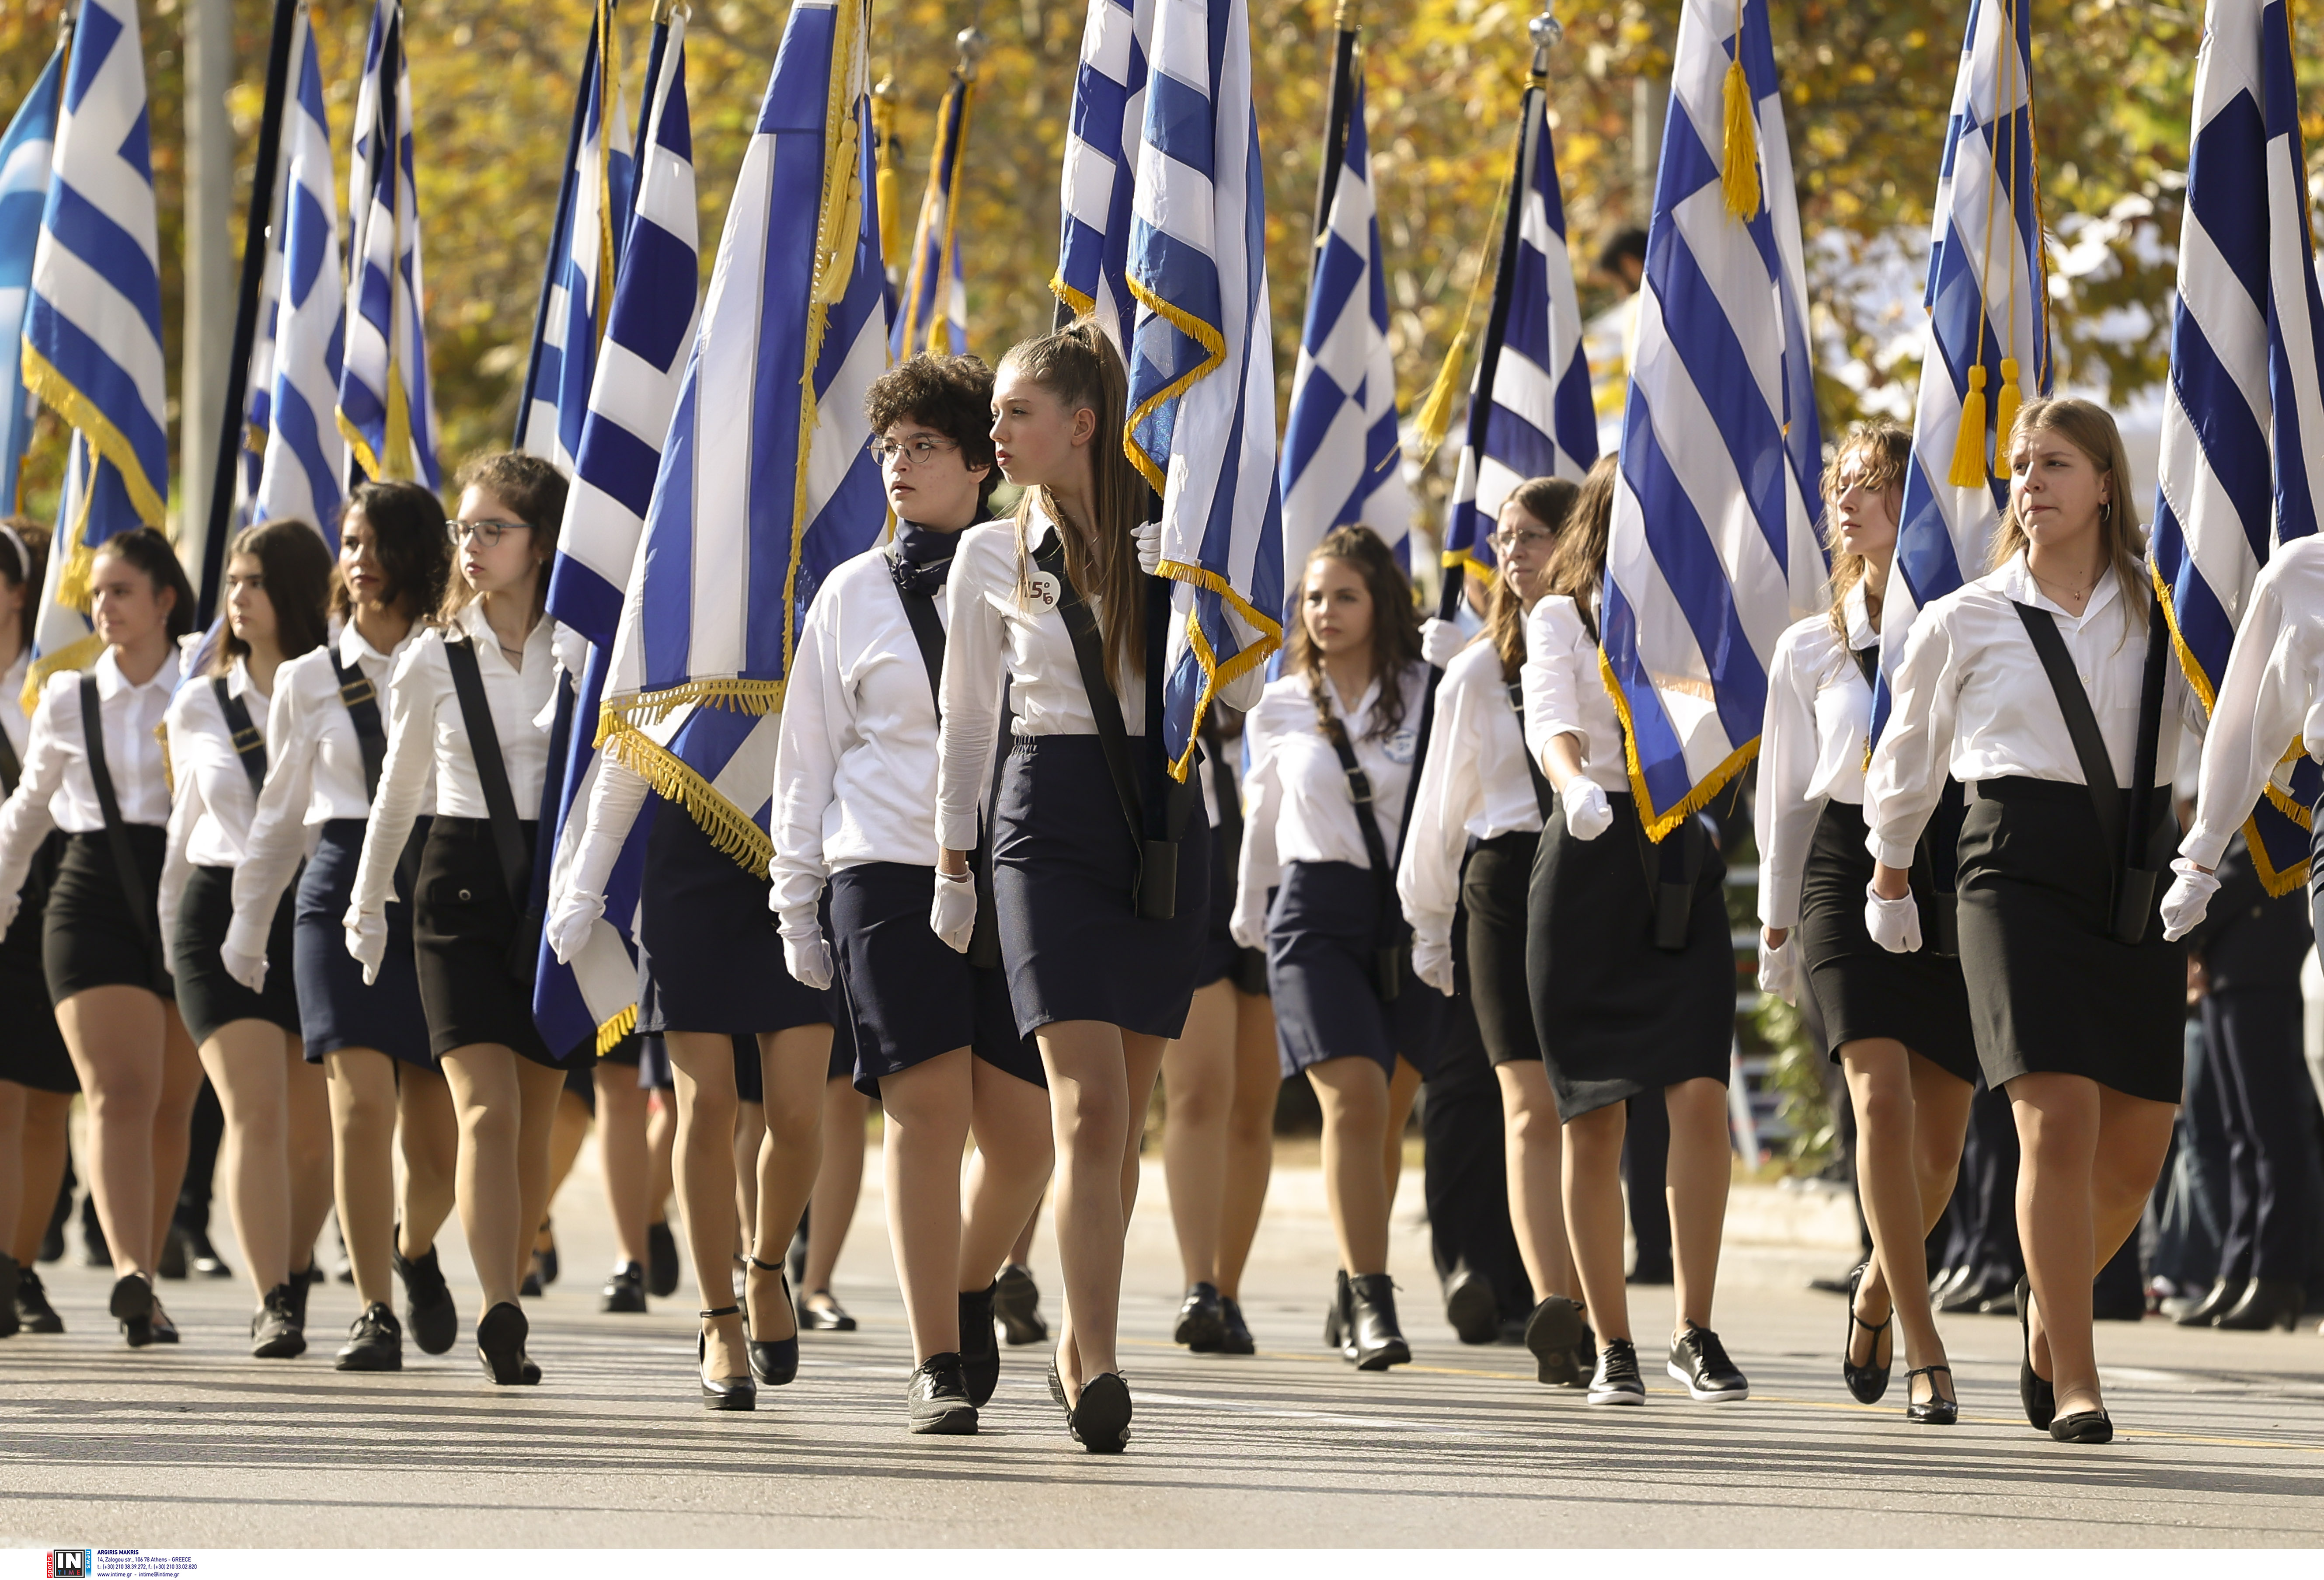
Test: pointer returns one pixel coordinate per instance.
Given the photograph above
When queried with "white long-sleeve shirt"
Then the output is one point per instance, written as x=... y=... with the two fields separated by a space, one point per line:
x=2270 y=706
x=1297 y=803
x=314 y=775
x=426 y=735
x=1972 y=700
x=1474 y=785
x=211 y=808
x=1565 y=694
x=1812 y=745
x=988 y=629
x=56 y=792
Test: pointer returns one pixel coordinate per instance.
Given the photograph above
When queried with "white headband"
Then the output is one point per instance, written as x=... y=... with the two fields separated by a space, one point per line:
x=23 y=554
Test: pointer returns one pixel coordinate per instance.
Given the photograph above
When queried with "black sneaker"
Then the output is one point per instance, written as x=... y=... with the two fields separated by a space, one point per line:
x=1551 y=1333
x=33 y=1308
x=1618 y=1380
x=661 y=1260
x=429 y=1309
x=1700 y=1361
x=980 y=1353
x=276 y=1333
x=939 y=1398
x=1016 y=1303
x=625 y=1291
x=1238 y=1340
x=1202 y=1321
x=374 y=1342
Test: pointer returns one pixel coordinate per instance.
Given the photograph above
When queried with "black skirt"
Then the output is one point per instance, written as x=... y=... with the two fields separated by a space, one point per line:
x=471 y=987
x=1493 y=890
x=207 y=997
x=1861 y=990
x=33 y=1052
x=1322 y=947
x=89 y=935
x=1063 y=865
x=709 y=958
x=335 y=1010
x=1618 y=1017
x=909 y=994
x=2049 y=989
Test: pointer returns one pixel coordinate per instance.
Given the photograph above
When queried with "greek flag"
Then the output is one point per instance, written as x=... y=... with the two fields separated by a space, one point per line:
x=1716 y=543
x=2243 y=434
x=92 y=345
x=649 y=326
x=593 y=217
x=1539 y=419
x=1989 y=345
x=384 y=407
x=26 y=151
x=1102 y=142
x=765 y=483
x=935 y=297
x=302 y=458
x=1340 y=459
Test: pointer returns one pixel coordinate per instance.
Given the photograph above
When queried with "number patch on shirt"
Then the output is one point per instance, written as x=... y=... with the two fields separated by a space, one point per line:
x=1402 y=745
x=1046 y=590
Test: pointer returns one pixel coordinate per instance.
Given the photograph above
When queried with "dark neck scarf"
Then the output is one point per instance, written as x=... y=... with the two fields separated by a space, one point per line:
x=922 y=558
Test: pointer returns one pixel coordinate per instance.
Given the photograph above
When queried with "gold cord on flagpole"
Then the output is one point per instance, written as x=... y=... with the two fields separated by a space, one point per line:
x=2005 y=405
x=1739 y=155
x=1968 y=469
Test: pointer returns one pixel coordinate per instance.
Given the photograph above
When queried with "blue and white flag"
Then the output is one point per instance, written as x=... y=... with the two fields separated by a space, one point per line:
x=765 y=483
x=936 y=293
x=25 y=152
x=385 y=406
x=1101 y=165
x=302 y=455
x=2242 y=436
x=92 y=344
x=1341 y=463
x=1716 y=545
x=1989 y=345
x=1539 y=419
x=593 y=219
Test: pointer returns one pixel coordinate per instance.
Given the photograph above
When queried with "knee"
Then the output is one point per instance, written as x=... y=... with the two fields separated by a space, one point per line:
x=1533 y=1127
x=1092 y=1112
x=1881 y=1108
x=795 y=1127
x=1197 y=1105
x=1594 y=1140
x=491 y=1124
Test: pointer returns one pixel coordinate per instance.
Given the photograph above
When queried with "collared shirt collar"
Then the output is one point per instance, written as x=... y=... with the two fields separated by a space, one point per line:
x=480 y=631
x=1855 y=610
x=111 y=683
x=2016 y=581
x=354 y=649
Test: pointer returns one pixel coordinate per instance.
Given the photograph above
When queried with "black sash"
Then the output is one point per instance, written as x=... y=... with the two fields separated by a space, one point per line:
x=361 y=700
x=929 y=632
x=116 y=833
x=500 y=802
x=1394 y=948
x=249 y=745
x=1543 y=794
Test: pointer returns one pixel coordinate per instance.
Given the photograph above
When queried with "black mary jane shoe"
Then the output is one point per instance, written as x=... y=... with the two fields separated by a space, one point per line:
x=1099 y=1420
x=132 y=1305
x=723 y=1393
x=1936 y=1411
x=828 y=1316
x=774 y=1362
x=1867 y=1383
x=2084 y=1426
x=2034 y=1391
x=501 y=1333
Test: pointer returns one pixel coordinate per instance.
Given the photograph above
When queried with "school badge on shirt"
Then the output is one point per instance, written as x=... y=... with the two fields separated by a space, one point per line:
x=1402 y=745
x=1044 y=590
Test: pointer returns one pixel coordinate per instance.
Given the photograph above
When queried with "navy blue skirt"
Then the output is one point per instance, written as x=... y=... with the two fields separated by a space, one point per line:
x=208 y=998
x=709 y=958
x=909 y=994
x=1063 y=864
x=335 y=1010
x=1323 y=942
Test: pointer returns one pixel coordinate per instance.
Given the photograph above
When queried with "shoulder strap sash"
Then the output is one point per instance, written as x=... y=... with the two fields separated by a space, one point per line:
x=117 y=831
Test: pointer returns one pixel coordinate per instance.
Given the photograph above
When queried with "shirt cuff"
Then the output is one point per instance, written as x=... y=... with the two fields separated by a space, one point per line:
x=2205 y=846
x=1888 y=855
x=245 y=938
x=956 y=831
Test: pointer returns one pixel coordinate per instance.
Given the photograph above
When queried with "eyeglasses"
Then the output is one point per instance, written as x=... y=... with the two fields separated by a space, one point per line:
x=487 y=533
x=1506 y=540
x=918 y=450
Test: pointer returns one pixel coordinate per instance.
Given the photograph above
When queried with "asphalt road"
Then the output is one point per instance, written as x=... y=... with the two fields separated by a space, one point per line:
x=2222 y=1442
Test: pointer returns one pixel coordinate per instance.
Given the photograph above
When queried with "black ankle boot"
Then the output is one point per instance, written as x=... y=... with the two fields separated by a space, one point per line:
x=1377 y=1341
x=1338 y=1330
x=2266 y=1302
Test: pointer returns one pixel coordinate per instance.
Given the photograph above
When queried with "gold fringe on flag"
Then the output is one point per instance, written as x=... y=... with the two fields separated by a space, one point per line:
x=614 y=1030
x=1968 y=444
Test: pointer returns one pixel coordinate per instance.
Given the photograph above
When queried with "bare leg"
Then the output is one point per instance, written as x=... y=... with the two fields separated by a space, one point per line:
x=1355 y=1095
x=430 y=1141
x=1403 y=1088
x=569 y=1124
x=703 y=1066
x=662 y=1144
x=1021 y=1253
x=1593 y=1215
x=624 y=1156
x=1535 y=1157
x=118 y=1037
x=794 y=1065
x=310 y=1151
x=1250 y=1137
x=1099 y=1080
x=507 y=1107
x=1899 y=1099
x=1014 y=1152
x=838 y=1182
x=1198 y=1079
x=927 y=1109
x=750 y=1129
x=362 y=1092
x=41 y=1133
x=1700 y=1170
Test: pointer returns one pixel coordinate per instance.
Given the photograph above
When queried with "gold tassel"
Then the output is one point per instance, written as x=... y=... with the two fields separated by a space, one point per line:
x=1968 y=445
x=1739 y=174
x=2004 y=417
x=1434 y=420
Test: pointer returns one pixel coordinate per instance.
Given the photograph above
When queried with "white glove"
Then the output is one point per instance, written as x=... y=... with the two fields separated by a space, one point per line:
x=2190 y=896
x=1441 y=642
x=575 y=911
x=367 y=940
x=1247 y=924
x=1587 y=813
x=1431 y=962
x=807 y=958
x=250 y=970
x=952 y=917
x=1779 y=969
x=1149 y=537
x=1894 y=925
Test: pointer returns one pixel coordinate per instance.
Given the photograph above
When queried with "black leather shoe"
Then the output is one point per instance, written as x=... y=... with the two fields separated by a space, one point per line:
x=625 y=1291
x=93 y=1250
x=1100 y=1420
x=132 y=1306
x=2084 y=1426
x=202 y=1258
x=936 y=1398
x=1471 y=1308
x=1238 y=1340
x=1937 y=1409
x=1655 y=1274
x=2220 y=1300
x=374 y=1342
x=164 y=1330
x=1338 y=1330
x=544 y=1257
x=2033 y=1391
x=819 y=1311
x=500 y=1343
x=2266 y=1303
x=33 y=1308
x=980 y=1351
x=1202 y=1322
x=1372 y=1327
x=530 y=1289
x=1552 y=1333
x=1867 y=1383
x=1971 y=1293
x=276 y=1333
x=174 y=1256
x=429 y=1309
x=774 y=1360
x=722 y=1393
x=1016 y=1303
x=661 y=1260
x=11 y=1324
x=301 y=1283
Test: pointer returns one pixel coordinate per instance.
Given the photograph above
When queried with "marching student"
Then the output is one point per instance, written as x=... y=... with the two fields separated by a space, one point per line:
x=1632 y=977
x=2045 y=687
x=935 y=1037
x=36 y=1075
x=467 y=703
x=327 y=744
x=839 y=1182
x=1480 y=797
x=1332 y=746
x=277 y=1151
x=93 y=768
x=1054 y=595
x=1898 y=1025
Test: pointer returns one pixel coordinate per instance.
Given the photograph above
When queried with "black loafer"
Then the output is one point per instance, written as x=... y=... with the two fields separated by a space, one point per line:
x=1202 y=1322
x=1101 y=1417
x=132 y=1306
x=33 y=1308
x=1238 y=1340
x=819 y=1312
x=2084 y=1426
x=1016 y=1303
x=625 y=1292
x=501 y=1333
x=374 y=1342
x=1471 y=1308
x=936 y=1398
